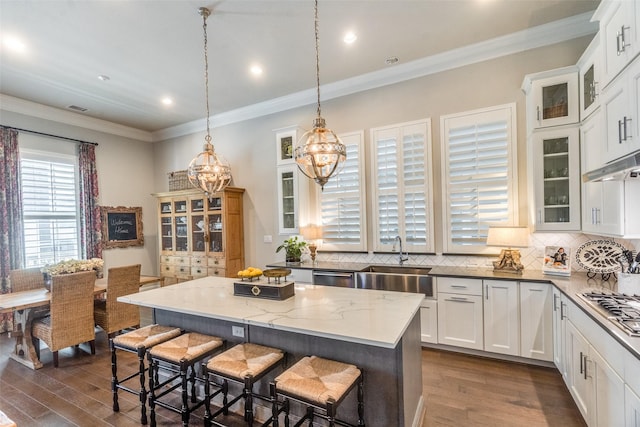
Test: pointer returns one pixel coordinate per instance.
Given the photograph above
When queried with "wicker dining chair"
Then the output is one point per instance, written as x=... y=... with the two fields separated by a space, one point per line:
x=27 y=279
x=70 y=321
x=113 y=316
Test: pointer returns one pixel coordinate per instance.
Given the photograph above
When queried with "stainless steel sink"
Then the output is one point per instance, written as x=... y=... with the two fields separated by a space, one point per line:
x=397 y=269
x=396 y=278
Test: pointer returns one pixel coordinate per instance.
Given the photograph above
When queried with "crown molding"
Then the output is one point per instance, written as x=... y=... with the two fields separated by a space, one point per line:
x=33 y=109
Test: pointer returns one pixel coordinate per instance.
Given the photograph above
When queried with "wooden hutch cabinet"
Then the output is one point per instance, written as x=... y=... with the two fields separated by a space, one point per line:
x=200 y=236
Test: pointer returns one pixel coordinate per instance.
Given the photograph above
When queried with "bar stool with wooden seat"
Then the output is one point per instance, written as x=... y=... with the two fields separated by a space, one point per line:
x=322 y=385
x=179 y=356
x=138 y=341
x=245 y=364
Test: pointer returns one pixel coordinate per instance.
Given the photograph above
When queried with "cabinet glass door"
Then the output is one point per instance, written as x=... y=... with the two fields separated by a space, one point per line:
x=556 y=179
x=215 y=225
x=198 y=226
x=166 y=226
x=180 y=231
x=287 y=199
x=555 y=101
x=588 y=88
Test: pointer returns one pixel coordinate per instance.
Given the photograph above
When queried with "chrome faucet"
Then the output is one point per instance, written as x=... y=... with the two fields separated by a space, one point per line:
x=401 y=257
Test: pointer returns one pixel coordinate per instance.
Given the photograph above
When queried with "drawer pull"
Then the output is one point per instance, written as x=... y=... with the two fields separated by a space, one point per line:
x=459 y=286
x=459 y=299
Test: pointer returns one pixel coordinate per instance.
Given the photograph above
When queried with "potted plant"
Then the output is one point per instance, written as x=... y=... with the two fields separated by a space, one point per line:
x=293 y=249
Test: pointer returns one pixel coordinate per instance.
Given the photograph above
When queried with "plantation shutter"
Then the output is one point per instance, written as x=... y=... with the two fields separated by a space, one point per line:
x=50 y=210
x=478 y=152
x=342 y=202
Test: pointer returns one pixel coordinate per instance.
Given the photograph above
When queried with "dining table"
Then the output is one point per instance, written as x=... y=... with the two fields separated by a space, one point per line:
x=22 y=305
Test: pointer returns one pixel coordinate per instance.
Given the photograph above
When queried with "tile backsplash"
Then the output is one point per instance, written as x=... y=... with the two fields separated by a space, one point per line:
x=531 y=256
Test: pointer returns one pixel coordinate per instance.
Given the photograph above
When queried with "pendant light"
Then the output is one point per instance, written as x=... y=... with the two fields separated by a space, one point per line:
x=319 y=153
x=208 y=171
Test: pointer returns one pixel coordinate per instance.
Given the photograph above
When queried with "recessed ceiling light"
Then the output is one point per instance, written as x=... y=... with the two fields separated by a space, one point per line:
x=167 y=101
x=391 y=60
x=350 y=37
x=14 y=44
x=256 y=70
x=104 y=77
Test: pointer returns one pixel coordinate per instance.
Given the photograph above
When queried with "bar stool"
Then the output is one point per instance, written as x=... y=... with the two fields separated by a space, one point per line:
x=322 y=385
x=245 y=364
x=179 y=356
x=137 y=341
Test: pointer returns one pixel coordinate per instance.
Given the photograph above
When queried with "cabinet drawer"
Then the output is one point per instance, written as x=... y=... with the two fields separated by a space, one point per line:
x=182 y=260
x=166 y=259
x=199 y=271
x=199 y=262
x=182 y=270
x=167 y=270
x=215 y=261
x=455 y=285
x=216 y=271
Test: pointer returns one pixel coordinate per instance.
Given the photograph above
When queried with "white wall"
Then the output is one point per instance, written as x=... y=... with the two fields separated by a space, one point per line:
x=125 y=174
x=250 y=146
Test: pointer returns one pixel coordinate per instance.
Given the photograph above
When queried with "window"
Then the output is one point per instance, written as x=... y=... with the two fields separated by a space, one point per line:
x=49 y=192
x=479 y=175
x=402 y=170
x=342 y=202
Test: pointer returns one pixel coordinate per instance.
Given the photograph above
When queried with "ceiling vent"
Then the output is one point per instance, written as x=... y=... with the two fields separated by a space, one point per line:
x=76 y=108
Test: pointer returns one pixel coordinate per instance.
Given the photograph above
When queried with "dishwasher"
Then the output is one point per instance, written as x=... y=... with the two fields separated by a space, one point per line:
x=341 y=279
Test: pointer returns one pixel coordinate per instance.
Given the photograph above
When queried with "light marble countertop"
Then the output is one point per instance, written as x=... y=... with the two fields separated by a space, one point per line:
x=363 y=316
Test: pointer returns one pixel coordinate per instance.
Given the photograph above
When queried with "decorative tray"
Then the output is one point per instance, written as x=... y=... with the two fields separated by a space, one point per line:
x=276 y=273
x=600 y=256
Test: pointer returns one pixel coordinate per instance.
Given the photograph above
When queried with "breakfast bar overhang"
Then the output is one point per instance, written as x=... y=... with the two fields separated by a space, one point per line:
x=378 y=331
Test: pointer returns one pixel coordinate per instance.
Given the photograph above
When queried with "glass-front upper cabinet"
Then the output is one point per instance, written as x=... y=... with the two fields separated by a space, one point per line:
x=215 y=224
x=198 y=226
x=557 y=179
x=552 y=97
x=590 y=64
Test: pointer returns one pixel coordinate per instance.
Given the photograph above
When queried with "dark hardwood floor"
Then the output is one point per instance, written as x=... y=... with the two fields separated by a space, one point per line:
x=459 y=390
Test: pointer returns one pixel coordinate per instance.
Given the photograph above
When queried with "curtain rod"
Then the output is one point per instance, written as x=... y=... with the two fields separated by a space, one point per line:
x=50 y=135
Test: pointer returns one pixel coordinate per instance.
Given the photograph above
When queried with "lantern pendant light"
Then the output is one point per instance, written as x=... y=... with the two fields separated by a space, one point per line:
x=208 y=171
x=319 y=153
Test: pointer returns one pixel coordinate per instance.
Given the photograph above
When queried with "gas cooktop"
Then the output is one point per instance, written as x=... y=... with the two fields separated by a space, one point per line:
x=623 y=310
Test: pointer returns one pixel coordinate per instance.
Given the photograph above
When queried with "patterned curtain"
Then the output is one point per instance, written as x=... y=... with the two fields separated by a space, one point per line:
x=11 y=246
x=90 y=223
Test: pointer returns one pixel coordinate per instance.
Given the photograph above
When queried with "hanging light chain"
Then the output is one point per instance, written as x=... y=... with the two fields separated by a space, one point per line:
x=205 y=14
x=317 y=58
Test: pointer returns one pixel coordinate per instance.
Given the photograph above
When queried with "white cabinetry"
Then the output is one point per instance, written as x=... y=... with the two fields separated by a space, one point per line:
x=590 y=68
x=429 y=321
x=602 y=200
x=501 y=317
x=620 y=108
x=556 y=179
x=608 y=392
x=632 y=408
x=577 y=380
x=618 y=35
x=460 y=312
x=552 y=97
x=559 y=332
x=536 y=321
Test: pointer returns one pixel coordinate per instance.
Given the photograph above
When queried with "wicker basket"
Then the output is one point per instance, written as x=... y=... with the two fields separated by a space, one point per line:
x=179 y=180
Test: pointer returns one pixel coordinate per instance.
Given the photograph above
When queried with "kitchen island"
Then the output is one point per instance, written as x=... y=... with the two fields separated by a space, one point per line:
x=377 y=331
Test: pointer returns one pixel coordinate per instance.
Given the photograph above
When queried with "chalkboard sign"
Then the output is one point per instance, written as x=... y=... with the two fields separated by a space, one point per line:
x=121 y=227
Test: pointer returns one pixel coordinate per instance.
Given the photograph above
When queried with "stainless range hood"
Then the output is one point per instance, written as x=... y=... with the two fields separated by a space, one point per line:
x=621 y=169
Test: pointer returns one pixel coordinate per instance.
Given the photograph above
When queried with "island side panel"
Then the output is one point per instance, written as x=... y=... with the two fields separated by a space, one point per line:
x=411 y=365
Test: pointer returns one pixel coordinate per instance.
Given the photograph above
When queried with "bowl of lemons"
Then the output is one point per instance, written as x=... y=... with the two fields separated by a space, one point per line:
x=250 y=274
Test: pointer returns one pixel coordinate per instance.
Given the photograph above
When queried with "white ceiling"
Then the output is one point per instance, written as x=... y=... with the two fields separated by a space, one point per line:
x=151 y=49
